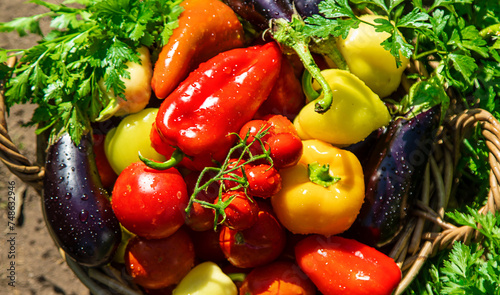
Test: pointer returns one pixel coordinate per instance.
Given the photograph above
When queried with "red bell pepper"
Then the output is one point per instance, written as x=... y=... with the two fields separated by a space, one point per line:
x=287 y=97
x=278 y=277
x=217 y=99
x=338 y=265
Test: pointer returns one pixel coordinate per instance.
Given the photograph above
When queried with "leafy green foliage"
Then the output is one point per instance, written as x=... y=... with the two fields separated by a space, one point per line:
x=449 y=32
x=89 y=42
x=473 y=269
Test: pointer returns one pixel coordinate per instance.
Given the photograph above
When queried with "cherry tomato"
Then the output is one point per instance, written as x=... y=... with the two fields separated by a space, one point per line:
x=280 y=124
x=200 y=218
x=286 y=149
x=159 y=263
x=277 y=278
x=252 y=128
x=148 y=202
x=262 y=243
x=236 y=174
x=106 y=172
x=241 y=212
x=281 y=138
x=263 y=180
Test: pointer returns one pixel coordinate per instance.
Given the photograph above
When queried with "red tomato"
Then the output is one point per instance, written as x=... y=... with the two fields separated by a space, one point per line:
x=200 y=218
x=236 y=174
x=263 y=180
x=252 y=128
x=286 y=149
x=338 y=265
x=282 y=140
x=148 y=202
x=281 y=124
x=277 y=278
x=262 y=243
x=159 y=263
x=241 y=212
x=106 y=173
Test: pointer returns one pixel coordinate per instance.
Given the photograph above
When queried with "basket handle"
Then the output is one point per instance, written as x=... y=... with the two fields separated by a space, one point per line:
x=10 y=155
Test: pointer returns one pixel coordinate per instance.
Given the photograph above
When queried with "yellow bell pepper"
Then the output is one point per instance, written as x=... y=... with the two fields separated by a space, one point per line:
x=356 y=111
x=124 y=142
x=323 y=193
x=369 y=60
x=206 y=279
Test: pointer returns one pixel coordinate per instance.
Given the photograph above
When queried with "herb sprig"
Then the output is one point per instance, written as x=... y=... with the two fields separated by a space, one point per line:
x=89 y=41
x=466 y=269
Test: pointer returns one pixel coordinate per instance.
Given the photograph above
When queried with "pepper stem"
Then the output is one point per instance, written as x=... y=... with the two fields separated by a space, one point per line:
x=328 y=47
x=285 y=33
x=175 y=159
x=320 y=174
x=109 y=111
x=309 y=91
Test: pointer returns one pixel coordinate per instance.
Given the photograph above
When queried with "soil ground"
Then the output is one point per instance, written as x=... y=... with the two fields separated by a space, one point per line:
x=39 y=268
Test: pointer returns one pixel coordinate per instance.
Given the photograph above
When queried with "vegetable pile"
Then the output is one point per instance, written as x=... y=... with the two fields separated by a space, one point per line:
x=255 y=146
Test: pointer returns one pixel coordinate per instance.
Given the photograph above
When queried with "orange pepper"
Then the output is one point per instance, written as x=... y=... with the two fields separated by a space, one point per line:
x=206 y=28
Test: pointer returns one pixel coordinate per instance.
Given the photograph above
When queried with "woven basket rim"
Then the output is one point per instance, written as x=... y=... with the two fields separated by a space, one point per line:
x=415 y=244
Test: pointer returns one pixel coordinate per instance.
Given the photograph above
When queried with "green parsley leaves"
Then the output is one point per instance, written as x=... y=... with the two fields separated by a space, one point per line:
x=466 y=269
x=90 y=40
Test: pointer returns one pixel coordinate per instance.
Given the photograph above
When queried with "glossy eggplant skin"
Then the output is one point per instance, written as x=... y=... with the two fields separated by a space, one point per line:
x=307 y=8
x=363 y=149
x=261 y=12
x=76 y=207
x=394 y=176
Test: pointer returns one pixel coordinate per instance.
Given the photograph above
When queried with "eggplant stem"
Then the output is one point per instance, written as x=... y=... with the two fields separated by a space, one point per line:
x=175 y=159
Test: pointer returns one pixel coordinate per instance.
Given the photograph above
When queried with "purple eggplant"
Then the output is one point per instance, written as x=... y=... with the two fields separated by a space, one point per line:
x=76 y=206
x=260 y=12
x=362 y=150
x=394 y=176
x=307 y=8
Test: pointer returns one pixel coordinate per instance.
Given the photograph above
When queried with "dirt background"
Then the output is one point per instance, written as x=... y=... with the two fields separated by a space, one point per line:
x=39 y=268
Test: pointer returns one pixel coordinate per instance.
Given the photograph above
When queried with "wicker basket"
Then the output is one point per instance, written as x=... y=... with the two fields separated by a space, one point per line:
x=425 y=234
